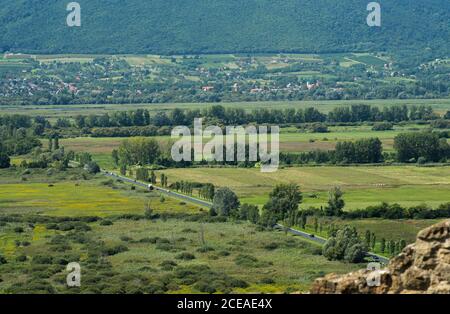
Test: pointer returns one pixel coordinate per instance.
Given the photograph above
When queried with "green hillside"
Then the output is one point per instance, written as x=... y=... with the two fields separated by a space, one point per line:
x=206 y=26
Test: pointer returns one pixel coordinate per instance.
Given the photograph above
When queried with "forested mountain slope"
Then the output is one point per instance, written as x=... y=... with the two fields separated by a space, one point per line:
x=206 y=26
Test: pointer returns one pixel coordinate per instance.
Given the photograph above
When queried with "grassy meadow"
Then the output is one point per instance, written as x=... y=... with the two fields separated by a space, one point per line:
x=74 y=196
x=164 y=256
x=42 y=228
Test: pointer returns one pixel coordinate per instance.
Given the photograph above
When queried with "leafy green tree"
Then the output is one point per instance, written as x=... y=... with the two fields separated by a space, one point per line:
x=373 y=241
x=355 y=253
x=115 y=157
x=345 y=245
x=139 y=150
x=80 y=121
x=392 y=247
x=368 y=238
x=249 y=212
x=335 y=202
x=284 y=199
x=153 y=177
x=142 y=174
x=361 y=151
x=50 y=144
x=56 y=145
x=92 y=167
x=84 y=158
x=316 y=224
x=226 y=202
x=412 y=146
x=303 y=220
x=253 y=214
x=383 y=245
x=123 y=170
x=268 y=218
x=447 y=115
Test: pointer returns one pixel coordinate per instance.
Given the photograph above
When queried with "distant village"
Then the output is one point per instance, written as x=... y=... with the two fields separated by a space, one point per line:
x=196 y=78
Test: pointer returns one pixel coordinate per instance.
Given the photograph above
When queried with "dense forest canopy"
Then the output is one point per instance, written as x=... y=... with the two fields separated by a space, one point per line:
x=204 y=26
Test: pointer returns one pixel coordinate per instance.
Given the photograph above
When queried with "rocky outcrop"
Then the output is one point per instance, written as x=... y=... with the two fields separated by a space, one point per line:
x=422 y=267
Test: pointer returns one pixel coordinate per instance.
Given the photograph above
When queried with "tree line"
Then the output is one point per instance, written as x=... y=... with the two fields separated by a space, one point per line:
x=141 y=123
x=221 y=115
x=412 y=147
x=417 y=147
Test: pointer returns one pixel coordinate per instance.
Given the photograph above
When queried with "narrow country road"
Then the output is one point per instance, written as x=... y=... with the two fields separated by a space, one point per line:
x=314 y=238
x=164 y=191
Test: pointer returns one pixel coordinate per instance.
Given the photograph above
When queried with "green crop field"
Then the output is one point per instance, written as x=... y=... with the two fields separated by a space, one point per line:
x=363 y=186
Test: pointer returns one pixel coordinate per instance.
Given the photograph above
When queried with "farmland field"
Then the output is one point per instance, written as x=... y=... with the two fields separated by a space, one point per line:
x=363 y=186
x=227 y=148
x=291 y=140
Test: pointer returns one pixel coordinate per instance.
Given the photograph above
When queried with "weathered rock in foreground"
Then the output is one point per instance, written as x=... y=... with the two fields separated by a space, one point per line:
x=422 y=267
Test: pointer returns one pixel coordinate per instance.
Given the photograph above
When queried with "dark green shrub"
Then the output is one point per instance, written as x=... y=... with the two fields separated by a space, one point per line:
x=205 y=249
x=155 y=288
x=188 y=230
x=126 y=239
x=205 y=287
x=40 y=259
x=185 y=256
x=238 y=283
x=168 y=265
x=267 y=281
x=271 y=246
x=249 y=261
x=21 y=258
x=165 y=247
x=115 y=250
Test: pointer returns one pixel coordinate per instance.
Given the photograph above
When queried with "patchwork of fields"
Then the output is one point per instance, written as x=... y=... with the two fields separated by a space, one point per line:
x=291 y=140
x=363 y=186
